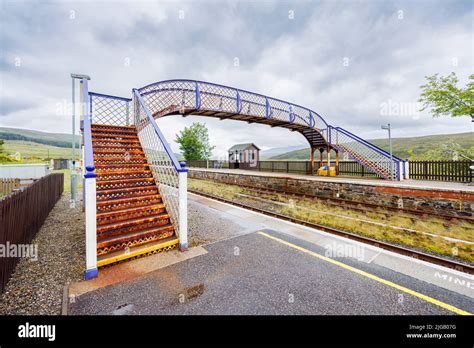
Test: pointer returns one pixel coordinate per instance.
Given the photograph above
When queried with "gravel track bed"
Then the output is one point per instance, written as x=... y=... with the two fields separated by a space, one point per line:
x=36 y=287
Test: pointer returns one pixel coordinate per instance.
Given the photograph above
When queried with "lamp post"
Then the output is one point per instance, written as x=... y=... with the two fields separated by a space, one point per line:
x=74 y=77
x=388 y=128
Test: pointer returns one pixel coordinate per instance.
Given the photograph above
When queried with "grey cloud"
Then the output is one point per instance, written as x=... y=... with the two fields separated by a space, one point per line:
x=298 y=60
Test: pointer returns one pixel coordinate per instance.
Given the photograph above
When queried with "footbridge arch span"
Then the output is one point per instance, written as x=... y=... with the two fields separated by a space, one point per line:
x=191 y=97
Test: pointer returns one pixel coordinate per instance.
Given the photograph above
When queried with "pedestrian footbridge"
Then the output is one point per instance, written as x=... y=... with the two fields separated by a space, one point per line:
x=135 y=190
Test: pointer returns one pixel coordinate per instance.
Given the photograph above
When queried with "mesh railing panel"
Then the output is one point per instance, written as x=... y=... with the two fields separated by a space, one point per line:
x=160 y=162
x=372 y=159
x=253 y=104
x=217 y=98
x=179 y=95
x=110 y=110
x=279 y=110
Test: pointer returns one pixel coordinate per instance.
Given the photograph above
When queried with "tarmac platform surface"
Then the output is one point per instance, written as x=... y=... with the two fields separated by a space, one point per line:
x=275 y=267
x=409 y=184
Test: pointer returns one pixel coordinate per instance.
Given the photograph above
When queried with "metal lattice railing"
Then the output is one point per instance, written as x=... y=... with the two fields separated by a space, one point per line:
x=109 y=110
x=365 y=153
x=188 y=95
x=163 y=163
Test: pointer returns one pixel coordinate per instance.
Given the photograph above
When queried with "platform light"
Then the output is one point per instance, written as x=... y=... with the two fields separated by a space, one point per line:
x=388 y=128
x=74 y=77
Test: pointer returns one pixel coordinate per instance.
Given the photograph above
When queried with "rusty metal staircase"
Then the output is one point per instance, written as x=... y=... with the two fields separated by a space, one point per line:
x=131 y=217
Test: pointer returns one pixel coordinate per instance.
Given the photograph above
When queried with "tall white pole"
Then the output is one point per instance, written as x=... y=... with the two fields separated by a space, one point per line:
x=183 y=209
x=73 y=161
x=391 y=153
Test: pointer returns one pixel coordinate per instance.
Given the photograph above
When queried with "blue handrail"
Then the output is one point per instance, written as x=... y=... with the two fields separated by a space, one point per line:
x=176 y=164
x=374 y=147
x=109 y=96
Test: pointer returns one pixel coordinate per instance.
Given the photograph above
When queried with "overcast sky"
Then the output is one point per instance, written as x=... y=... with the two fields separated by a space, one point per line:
x=357 y=63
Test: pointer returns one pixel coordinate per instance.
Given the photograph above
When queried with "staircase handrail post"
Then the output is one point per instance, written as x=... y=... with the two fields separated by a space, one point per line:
x=89 y=187
x=183 y=207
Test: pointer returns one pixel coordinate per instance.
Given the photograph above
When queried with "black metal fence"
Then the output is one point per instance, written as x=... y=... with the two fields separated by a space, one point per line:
x=458 y=171
x=22 y=213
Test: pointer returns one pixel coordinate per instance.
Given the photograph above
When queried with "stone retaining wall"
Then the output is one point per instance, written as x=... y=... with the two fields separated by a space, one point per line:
x=428 y=200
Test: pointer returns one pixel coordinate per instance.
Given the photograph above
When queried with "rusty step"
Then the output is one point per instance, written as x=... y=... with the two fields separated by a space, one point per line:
x=98 y=135
x=125 y=181
x=100 y=125
x=132 y=190
x=131 y=224
x=133 y=228
x=116 y=146
x=127 y=193
x=115 y=129
x=121 y=159
x=114 y=141
x=108 y=214
x=125 y=175
x=103 y=167
x=119 y=172
x=129 y=213
x=132 y=202
x=120 y=184
x=160 y=232
x=118 y=151
x=136 y=250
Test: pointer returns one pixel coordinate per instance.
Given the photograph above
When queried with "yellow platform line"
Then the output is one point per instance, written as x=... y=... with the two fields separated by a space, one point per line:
x=370 y=276
x=134 y=253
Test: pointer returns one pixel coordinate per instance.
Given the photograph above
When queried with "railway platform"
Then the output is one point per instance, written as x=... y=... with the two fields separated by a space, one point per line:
x=277 y=267
x=406 y=184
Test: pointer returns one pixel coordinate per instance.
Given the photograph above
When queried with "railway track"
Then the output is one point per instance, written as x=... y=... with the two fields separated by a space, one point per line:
x=360 y=206
x=462 y=267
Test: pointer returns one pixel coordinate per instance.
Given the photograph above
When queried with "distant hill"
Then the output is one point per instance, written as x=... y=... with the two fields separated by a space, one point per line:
x=412 y=147
x=278 y=151
x=35 y=152
x=52 y=139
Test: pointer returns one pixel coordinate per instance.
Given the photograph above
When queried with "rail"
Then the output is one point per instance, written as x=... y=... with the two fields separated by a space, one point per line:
x=170 y=175
x=380 y=161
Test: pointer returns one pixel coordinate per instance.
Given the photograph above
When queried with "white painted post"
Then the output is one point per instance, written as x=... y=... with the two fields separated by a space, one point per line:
x=183 y=210
x=83 y=168
x=91 y=228
x=407 y=169
x=89 y=188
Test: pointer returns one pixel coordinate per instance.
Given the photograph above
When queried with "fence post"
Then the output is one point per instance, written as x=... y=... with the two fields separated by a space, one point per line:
x=89 y=188
x=127 y=117
x=91 y=225
x=183 y=207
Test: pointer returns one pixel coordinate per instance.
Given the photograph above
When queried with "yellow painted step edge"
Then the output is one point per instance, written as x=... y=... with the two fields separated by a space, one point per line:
x=125 y=256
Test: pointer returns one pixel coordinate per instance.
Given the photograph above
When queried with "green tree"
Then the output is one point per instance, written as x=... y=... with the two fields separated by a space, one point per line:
x=444 y=98
x=194 y=142
x=448 y=151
